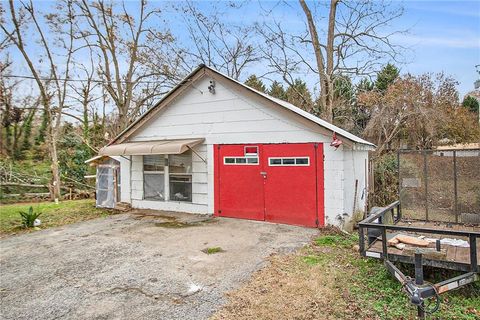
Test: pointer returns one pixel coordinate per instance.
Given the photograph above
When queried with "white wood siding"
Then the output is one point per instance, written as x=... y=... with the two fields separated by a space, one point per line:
x=354 y=170
x=229 y=117
x=124 y=178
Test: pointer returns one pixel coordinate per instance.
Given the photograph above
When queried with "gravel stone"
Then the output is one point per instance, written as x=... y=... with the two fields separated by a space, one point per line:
x=128 y=266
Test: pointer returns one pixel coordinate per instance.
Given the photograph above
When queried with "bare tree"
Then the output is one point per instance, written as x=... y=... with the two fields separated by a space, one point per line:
x=121 y=41
x=52 y=87
x=419 y=111
x=84 y=95
x=223 y=46
x=355 y=40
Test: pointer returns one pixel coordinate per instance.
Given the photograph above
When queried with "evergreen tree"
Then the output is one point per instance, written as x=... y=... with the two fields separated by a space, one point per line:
x=386 y=77
x=40 y=138
x=276 y=90
x=361 y=113
x=343 y=88
x=471 y=104
x=299 y=95
x=27 y=131
x=72 y=154
x=364 y=85
x=256 y=83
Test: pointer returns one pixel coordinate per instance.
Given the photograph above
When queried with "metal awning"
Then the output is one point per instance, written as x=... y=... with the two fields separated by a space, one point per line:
x=149 y=147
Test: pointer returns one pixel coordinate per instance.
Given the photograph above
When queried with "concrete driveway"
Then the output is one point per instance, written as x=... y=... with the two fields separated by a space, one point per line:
x=135 y=267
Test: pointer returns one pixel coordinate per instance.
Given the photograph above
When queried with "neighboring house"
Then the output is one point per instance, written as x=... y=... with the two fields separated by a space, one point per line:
x=461 y=150
x=215 y=146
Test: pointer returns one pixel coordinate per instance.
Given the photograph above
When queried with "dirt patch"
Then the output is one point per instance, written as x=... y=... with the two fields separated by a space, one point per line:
x=175 y=224
x=287 y=290
x=172 y=220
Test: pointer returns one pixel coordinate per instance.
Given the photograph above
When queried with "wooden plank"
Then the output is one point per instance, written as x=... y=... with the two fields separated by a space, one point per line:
x=451 y=252
x=462 y=255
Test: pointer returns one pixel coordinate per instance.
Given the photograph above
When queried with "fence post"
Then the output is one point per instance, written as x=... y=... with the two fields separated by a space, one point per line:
x=399 y=179
x=455 y=184
x=425 y=176
x=473 y=253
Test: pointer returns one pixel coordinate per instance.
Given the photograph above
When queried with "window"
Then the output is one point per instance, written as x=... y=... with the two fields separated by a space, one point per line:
x=251 y=151
x=240 y=160
x=154 y=177
x=180 y=169
x=291 y=161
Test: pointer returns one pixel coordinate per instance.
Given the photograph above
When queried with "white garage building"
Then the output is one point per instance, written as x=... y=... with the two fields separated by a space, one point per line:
x=215 y=146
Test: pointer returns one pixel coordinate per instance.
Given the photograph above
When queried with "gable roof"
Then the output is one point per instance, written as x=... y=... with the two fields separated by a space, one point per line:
x=200 y=71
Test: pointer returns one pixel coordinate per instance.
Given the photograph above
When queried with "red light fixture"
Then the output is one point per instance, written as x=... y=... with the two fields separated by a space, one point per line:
x=335 y=141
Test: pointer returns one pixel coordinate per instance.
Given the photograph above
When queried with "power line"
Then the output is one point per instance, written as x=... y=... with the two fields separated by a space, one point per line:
x=73 y=80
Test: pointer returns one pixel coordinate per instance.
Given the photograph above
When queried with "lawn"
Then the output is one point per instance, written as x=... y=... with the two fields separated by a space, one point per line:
x=329 y=280
x=53 y=215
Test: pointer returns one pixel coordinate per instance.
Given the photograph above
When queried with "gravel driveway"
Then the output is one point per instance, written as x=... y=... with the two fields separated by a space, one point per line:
x=132 y=266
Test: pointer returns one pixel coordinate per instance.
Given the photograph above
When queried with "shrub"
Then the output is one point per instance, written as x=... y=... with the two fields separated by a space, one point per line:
x=28 y=218
x=386 y=180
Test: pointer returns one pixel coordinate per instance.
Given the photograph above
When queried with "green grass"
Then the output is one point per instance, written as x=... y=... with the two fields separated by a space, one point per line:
x=212 y=250
x=374 y=291
x=53 y=215
x=345 y=241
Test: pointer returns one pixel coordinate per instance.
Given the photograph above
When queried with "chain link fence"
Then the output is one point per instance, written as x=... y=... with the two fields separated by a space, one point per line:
x=440 y=185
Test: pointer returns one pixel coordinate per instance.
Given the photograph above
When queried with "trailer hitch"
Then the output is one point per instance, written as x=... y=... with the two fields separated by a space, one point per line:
x=419 y=292
x=420 y=295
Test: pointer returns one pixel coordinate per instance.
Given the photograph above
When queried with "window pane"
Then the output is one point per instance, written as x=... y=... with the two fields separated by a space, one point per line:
x=303 y=161
x=229 y=160
x=241 y=160
x=154 y=162
x=275 y=161
x=180 y=163
x=288 y=161
x=251 y=150
x=153 y=186
x=181 y=188
x=252 y=160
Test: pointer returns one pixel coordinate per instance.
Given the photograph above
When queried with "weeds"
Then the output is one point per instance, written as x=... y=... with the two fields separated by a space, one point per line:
x=213 y=250
x=29 y=217
x=345 y=241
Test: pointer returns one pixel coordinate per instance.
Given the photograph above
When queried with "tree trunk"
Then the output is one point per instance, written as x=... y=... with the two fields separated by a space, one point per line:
x=86 y=129
x=325 y=72
x=56 y=183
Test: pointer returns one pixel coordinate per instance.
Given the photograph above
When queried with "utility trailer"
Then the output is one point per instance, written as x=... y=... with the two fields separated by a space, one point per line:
x=453 y=236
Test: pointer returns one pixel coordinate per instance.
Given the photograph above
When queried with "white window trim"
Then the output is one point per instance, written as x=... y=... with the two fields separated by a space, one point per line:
x=289 y=165
x=166 y=191
x=166 y=181
x=241 y=164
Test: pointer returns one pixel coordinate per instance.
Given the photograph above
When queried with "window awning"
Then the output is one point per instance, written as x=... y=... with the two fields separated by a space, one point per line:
x=149 y=147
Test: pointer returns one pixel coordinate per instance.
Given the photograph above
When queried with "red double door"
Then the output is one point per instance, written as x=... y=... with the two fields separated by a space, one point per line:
x=280 y=183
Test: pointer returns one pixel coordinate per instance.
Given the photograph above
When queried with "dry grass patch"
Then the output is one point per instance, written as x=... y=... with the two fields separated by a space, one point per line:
x=329 y=280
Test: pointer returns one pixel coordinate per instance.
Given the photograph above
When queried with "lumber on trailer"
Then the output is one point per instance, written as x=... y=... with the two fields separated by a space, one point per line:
x=401 y=238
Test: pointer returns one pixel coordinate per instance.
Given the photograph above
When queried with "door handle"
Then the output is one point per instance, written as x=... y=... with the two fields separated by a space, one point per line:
x=264 y=174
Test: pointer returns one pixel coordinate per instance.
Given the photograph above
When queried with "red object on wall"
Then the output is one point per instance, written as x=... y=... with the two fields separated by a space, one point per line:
x=335 y=141
x=283 y=184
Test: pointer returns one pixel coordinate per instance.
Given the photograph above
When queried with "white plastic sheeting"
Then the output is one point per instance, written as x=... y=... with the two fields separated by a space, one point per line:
x=107 y=184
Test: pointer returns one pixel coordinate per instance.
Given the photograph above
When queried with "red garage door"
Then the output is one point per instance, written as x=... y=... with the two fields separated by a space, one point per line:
x=273 y=182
